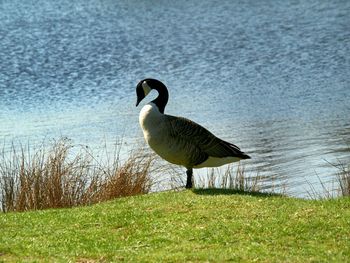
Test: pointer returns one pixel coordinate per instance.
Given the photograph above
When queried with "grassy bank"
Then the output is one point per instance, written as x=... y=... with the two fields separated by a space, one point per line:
x=213 y=225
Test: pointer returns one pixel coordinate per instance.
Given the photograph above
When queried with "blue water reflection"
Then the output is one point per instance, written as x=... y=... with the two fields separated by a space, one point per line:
x=271 y=77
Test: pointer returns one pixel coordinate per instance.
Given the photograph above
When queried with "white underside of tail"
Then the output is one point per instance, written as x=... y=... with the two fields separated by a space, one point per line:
x=216 y=161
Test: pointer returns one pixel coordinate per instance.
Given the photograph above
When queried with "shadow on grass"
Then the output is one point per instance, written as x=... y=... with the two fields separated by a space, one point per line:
x=218 y=191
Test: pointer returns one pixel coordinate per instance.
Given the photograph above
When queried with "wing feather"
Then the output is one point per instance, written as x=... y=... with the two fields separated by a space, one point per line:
x=203 y=140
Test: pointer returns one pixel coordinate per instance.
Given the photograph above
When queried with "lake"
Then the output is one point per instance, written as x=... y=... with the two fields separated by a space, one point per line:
x=269 y=76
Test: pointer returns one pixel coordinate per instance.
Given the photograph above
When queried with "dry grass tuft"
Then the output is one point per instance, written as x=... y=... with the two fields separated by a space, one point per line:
x=343 y=178
x=64 y=175
x=230 y=179
x=236 y=180
x=131 y=178
x=337 y=186
x=242 y=181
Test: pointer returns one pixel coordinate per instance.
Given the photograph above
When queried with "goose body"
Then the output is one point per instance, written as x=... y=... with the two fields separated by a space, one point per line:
x=179 y=140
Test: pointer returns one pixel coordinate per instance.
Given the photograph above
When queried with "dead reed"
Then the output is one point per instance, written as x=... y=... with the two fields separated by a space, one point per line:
x=343 y=177
x=337 y=186
x=63 y=175
x=234 y=179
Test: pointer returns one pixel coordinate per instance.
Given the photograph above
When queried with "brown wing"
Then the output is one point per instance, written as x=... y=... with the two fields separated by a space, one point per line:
x=198 y=136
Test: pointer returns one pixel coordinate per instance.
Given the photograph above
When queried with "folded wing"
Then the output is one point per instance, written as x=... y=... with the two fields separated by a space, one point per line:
x=202 y=140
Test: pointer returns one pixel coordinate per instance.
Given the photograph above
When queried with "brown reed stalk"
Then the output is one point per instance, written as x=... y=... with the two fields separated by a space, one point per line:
x=343 y=178
x=229 y=179
x=117 y=181
x=63 y=175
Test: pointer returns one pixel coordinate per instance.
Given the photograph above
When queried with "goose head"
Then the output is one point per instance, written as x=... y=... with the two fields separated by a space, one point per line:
x=145 y=86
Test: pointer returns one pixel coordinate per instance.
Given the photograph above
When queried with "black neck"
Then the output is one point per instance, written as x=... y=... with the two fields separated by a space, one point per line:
x=162 y=98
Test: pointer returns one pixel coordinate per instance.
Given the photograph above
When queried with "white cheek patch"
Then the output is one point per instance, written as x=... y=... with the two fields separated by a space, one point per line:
x=146 y=88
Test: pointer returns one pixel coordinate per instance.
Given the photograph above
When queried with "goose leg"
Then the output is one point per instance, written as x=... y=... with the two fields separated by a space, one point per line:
x=189 y=182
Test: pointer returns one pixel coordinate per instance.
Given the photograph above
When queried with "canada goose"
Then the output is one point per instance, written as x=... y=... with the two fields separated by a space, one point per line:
x=178 y=140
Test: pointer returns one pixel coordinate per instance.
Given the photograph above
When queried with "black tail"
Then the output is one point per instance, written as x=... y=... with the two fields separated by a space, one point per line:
x=245 y=156
x=236 y=151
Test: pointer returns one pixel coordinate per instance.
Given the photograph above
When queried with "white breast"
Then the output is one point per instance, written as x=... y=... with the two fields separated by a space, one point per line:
x=152 y=124
x=155 y=131
x=150 y=118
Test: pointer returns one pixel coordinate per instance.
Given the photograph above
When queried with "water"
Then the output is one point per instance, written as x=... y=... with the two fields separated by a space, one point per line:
x=270 y=77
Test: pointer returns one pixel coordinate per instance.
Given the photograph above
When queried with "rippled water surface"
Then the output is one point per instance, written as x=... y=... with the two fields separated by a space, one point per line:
x=268 y=76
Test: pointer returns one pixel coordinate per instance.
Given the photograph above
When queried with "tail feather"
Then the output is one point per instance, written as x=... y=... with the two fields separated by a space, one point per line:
x=236 y=151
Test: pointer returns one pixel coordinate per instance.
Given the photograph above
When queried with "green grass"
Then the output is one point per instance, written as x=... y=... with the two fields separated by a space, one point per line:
x=200 y=225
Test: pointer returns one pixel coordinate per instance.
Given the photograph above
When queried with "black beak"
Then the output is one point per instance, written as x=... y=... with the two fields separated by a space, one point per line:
x=140 y=94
